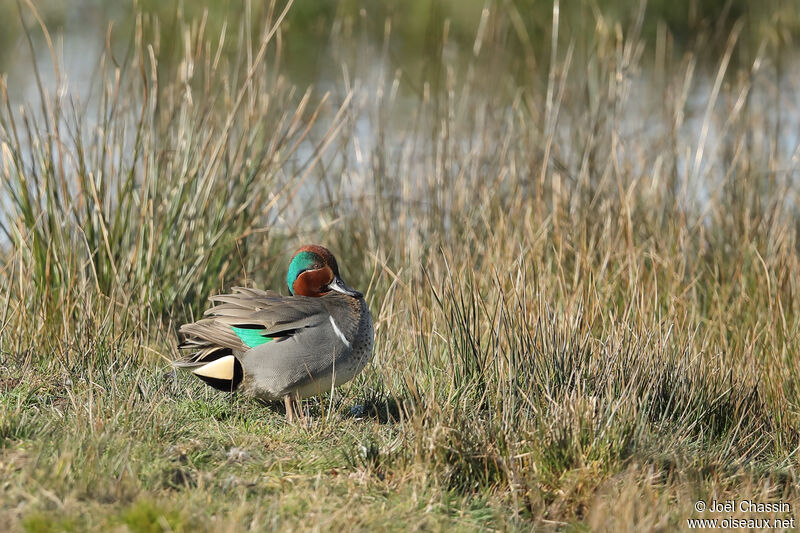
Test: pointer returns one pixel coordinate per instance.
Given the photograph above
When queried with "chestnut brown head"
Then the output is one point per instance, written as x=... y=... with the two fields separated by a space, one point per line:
x=313 y=272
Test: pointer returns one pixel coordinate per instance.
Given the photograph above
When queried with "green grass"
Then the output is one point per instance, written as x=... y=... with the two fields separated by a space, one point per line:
x=586 y=307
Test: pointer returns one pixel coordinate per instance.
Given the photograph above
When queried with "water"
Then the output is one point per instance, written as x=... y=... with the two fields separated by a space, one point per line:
x=382 y=107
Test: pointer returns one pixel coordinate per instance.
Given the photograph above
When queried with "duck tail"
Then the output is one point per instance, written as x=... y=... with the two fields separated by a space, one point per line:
x=216 y=366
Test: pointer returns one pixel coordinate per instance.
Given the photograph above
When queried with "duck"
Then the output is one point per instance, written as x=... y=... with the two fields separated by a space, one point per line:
x=275 y=347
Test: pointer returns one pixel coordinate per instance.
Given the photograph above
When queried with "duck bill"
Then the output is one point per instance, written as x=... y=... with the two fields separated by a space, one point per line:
x=339 y=285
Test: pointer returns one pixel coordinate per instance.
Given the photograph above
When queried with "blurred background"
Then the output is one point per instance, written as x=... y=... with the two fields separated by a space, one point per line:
x=414 y=111
x=516 y=31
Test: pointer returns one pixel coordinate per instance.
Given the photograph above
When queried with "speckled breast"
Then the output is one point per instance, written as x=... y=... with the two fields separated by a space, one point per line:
x=362 y=342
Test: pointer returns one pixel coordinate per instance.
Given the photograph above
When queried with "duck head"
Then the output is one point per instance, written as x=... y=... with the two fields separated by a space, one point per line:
x=313 y=272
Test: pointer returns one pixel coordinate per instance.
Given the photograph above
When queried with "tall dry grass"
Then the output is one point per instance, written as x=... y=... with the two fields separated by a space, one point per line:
x=583 y=276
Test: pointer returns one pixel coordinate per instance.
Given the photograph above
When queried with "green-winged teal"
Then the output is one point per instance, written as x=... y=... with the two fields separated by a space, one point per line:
x=284 y=347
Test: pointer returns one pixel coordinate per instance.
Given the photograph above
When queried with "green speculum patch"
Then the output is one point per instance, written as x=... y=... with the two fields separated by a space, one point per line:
x=251 y=337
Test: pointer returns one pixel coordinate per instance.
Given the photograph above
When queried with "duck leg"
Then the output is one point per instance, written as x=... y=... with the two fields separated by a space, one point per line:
x=288 y=402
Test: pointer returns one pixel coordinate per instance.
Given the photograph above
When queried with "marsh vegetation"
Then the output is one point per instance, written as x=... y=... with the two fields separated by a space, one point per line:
x=576 y=227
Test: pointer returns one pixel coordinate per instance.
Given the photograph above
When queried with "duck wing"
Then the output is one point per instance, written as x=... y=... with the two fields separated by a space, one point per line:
x=244 y=319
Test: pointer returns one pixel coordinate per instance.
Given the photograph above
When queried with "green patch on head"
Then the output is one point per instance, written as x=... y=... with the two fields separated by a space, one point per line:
x=251 y=337
x=302 y=261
